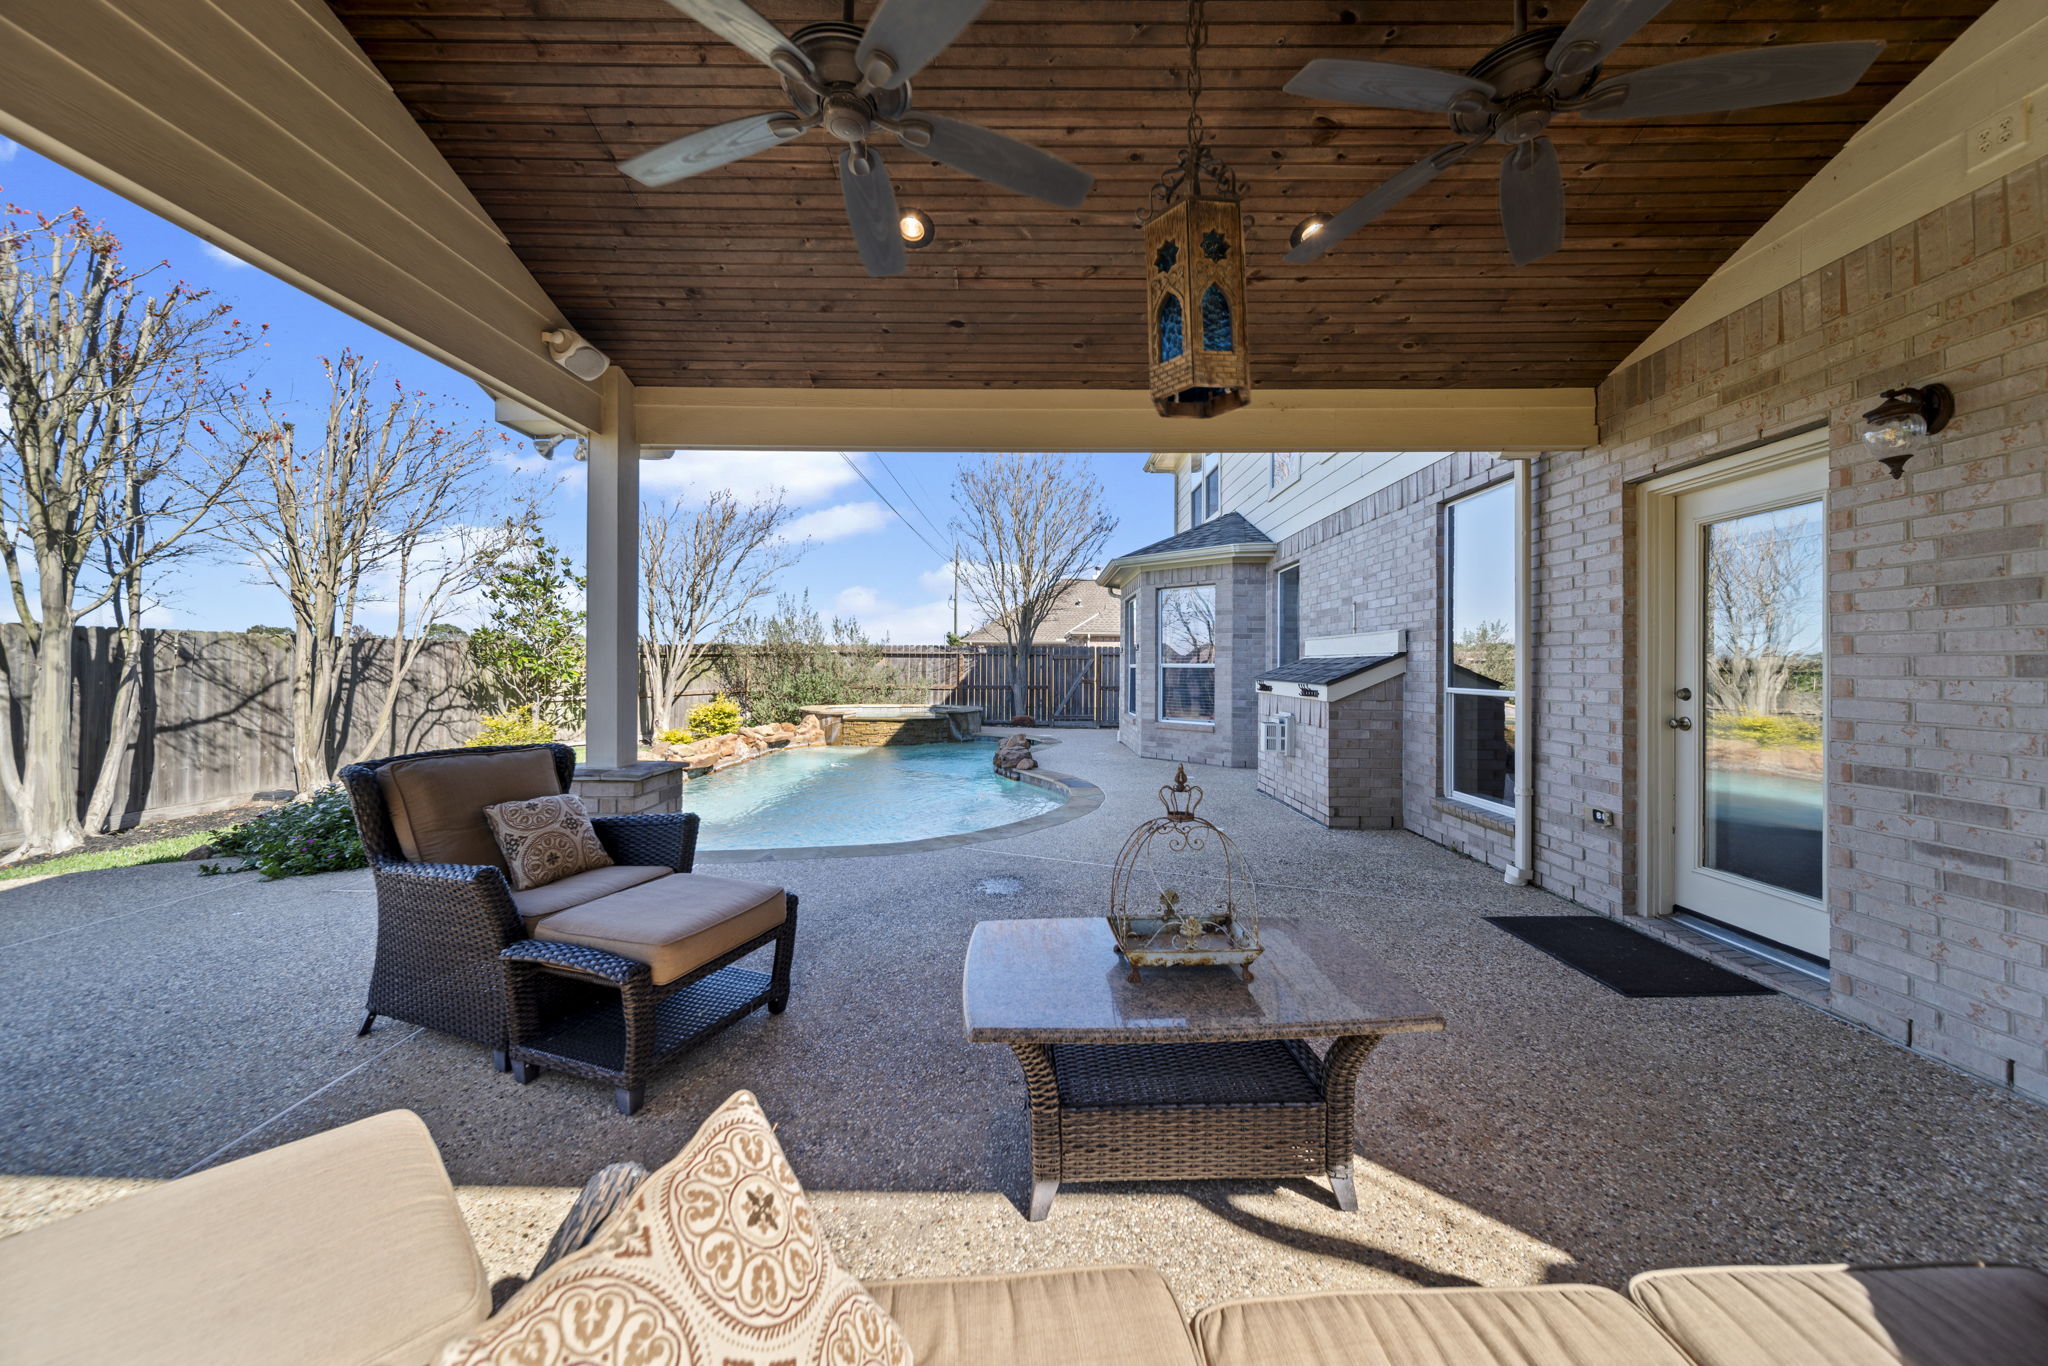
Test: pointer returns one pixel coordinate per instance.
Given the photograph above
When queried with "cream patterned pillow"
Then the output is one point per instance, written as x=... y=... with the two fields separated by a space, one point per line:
x=545 y=840
x=715 y=1261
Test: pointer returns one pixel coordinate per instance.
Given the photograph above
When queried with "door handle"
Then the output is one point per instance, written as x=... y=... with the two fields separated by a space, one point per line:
x=1680 y=723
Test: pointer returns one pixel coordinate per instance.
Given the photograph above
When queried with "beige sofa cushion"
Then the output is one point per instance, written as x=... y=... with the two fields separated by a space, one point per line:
x=1549 y=1325
x=343 y=1249
x=1842 y=1316
x=1087 y=1316
x=437 y=805
x=674 y=925
x=715 y=1260
x=537 y=902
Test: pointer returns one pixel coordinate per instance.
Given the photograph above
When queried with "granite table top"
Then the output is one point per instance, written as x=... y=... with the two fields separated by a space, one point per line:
x=1061 y=981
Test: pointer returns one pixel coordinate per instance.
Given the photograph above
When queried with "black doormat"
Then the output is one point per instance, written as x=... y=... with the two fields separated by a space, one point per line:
x=1630 y=963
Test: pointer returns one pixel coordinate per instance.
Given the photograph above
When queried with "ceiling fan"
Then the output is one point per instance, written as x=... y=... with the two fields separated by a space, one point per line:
x=1511 y=95
x=853 y=81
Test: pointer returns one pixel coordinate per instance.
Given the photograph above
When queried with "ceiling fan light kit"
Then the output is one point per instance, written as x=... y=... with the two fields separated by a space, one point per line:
x=1512 y=94
x=916 y=228
x=853 y=81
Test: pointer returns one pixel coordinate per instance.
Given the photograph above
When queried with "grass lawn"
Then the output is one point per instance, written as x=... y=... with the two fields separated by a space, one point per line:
x=156 y=851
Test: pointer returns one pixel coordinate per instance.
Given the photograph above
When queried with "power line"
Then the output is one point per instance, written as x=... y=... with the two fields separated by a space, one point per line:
x=897 y=479
x=877 y=491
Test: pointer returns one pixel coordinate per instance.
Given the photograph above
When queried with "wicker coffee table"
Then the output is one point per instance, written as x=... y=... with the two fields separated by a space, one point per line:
x=1191 y=1073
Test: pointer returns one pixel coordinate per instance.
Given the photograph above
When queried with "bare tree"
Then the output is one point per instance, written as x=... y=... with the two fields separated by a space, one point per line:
x=386 y=503
x=1029 y=524
x=99 y=490
x=702 y=571
x=1763 y=611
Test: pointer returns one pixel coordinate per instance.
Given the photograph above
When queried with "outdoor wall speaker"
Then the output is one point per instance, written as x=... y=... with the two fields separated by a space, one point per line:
x=576 y=355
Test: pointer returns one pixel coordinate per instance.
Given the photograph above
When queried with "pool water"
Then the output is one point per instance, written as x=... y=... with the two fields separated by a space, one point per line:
x=847 y=794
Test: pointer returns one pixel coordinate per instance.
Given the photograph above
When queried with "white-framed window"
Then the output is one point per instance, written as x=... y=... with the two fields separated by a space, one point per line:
x=1131 y=655
x=1480 y=558
x=1212 y=502
x=1205 y=473
x=1195 y=517
x=1186 y=632
x=1287 y=615
x=1283 y=468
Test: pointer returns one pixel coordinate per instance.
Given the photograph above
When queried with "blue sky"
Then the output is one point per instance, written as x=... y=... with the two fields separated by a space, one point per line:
x=864 y=560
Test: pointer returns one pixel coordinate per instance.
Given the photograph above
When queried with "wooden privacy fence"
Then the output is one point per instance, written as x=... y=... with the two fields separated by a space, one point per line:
x=216 y=707
x=1069 y=685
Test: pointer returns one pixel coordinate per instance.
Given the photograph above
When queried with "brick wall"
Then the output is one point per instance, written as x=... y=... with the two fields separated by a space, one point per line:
x=1242 y=649
x=1345 y=768
x=1938 y=888
x=1377 y=565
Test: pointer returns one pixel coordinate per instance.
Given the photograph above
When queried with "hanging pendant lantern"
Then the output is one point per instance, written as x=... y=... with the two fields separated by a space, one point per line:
x=1194 y=253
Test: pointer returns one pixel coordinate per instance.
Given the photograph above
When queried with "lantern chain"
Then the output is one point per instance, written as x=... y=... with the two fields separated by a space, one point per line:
x=1197 y=161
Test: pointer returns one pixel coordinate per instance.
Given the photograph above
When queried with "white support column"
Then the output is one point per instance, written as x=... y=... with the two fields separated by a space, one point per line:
x=612 y=558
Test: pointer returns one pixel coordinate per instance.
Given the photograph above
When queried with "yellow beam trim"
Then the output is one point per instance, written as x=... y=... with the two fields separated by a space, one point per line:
x=1108 y=420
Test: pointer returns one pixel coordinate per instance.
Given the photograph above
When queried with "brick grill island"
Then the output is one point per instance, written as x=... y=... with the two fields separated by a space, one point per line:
x=887 y=725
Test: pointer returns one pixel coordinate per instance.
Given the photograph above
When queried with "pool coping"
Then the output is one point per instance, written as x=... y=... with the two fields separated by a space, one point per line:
x=1082 y=798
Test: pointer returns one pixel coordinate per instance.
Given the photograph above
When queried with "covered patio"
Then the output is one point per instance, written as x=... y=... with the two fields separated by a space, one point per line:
x=1554 y=1131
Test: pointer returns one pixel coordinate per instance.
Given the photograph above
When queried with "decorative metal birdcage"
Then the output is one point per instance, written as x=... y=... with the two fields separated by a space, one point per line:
x=1180 y=895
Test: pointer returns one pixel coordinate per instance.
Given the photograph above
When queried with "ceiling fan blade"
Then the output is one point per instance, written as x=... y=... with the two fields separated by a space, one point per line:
x=989 y=155
x=738 y=23
x=909 y=33
x=1733 y=80
x=1385 y=85
x=1378 y=200
x=1597 y=29
x=871 y=211
x=709 y=148
x=1532 y=201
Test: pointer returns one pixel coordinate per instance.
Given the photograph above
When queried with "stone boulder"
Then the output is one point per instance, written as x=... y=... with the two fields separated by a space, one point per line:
x=1014 y=753
x=807 y=732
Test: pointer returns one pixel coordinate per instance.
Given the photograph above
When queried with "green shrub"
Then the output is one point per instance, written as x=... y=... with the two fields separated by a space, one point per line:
x=675 y=737
x=719 y=716
x=1773 y=732
x=317 y=835
x=516 y=727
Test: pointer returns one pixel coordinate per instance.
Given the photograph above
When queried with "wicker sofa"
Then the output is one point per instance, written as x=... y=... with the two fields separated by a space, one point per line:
x=348 y=1249
x=604 y=974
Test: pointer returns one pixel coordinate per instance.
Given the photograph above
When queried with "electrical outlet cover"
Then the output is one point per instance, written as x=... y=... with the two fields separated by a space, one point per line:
x=1999 y=136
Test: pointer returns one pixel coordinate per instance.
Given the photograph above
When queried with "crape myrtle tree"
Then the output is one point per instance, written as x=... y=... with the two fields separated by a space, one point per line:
x=383 y=506
x=702 y=571
x=1027 y=524
x=104 y=372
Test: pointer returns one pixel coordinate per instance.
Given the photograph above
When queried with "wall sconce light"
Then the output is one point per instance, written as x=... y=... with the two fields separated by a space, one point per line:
x=916 y=229
x=576 y=355
x=1307 y=228
x=1902 y=419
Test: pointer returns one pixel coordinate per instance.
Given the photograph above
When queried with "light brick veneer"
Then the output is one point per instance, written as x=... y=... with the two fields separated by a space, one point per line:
x=1345 y=766
x=1232 y=740
x=1938 y=887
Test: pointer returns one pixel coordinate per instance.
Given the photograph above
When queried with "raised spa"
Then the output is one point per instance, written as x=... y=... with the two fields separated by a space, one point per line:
x=879 y=724
x=860 y=795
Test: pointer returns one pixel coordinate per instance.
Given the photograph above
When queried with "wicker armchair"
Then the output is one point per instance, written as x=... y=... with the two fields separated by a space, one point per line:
x=454 y=955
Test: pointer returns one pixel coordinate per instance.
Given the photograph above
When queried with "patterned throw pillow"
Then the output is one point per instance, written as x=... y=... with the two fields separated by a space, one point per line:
x=715 y=1261
x=545 y=840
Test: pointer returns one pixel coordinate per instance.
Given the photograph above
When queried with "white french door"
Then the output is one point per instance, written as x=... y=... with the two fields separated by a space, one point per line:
x=1742 y=716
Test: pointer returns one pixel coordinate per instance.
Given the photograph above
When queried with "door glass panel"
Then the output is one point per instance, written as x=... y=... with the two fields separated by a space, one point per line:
x=1761 y=654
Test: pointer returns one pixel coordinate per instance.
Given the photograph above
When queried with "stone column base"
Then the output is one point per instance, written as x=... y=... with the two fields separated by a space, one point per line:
x=649 y=785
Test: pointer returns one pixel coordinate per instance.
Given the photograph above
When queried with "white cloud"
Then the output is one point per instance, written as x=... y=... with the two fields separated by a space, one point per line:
x=224 y=256
x=836 y=523
x=802 y=476
x=914 y=623
x=8 y=149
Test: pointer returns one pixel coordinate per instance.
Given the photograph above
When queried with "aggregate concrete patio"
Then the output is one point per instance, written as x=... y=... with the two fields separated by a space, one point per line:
x=159 y=1021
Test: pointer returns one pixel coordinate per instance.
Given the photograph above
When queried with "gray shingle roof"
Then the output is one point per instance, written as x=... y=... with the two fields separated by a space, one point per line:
x=1322 y=672
x=1085 y=610
x=1232 y=528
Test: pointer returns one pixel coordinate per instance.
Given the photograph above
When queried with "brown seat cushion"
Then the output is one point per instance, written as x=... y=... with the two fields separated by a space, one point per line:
x=673 y=925
x=1843 y=1316
x=1548 y=1325
x=343 y=1249
x=437 y=805
x=536 y=903
x=1086 y=1316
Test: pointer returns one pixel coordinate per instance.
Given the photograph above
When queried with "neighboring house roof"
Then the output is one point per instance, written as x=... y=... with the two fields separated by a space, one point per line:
x=1322 y=672
x=1228 y=537
x=1085 y=611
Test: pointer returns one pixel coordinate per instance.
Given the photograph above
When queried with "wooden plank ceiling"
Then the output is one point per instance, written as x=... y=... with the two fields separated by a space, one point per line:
x=746 y=275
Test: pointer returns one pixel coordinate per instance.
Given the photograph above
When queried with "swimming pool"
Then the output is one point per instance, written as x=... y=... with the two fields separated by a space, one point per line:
x=846 y=794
